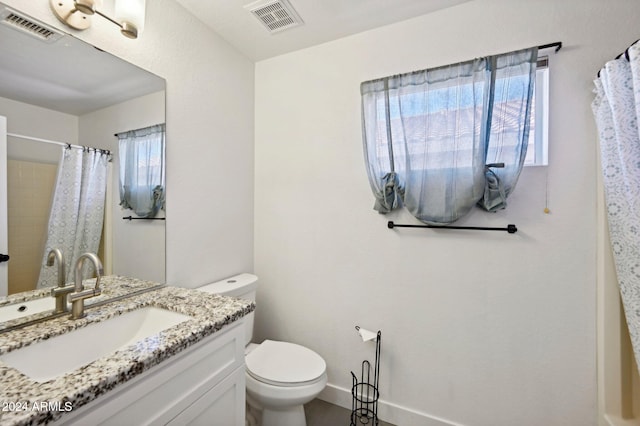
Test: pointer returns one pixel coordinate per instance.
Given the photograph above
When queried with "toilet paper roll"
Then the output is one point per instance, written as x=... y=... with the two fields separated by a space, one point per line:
x=366 y=335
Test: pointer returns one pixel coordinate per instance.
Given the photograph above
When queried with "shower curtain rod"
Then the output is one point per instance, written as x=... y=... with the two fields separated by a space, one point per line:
x=31 y=138
x=626 y=51
x=625 y=54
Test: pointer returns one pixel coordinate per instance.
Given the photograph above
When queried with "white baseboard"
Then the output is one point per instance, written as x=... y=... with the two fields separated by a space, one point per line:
x=387 y=411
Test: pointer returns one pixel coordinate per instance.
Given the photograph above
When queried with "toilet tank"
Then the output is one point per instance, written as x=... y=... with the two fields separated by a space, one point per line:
x=242 y=286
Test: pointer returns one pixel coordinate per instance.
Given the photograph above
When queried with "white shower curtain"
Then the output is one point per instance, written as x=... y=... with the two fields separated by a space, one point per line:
x=616 y=108
x=77 y=211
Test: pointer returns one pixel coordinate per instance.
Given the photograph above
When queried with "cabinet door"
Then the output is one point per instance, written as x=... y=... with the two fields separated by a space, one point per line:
x=166 y=390
x=222 y=405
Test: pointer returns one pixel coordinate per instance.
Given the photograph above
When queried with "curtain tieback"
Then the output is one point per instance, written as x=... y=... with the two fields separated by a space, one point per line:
x=495 y=197
x=496 y=165
x=391 y=194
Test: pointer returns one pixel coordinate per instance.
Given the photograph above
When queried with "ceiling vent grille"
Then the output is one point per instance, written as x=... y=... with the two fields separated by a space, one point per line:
x=275 y=15
x=19 y=22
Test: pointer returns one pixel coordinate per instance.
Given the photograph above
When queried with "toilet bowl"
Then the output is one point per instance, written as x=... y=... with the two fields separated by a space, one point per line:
x=280 y=376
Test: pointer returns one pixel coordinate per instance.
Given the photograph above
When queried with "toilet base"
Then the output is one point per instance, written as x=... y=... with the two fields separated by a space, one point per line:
x=293 y=416
x=259 y=416
x=252 y=416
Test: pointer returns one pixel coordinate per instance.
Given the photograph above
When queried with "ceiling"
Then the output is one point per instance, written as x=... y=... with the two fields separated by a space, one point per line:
x=65 y=74
x=324 y=20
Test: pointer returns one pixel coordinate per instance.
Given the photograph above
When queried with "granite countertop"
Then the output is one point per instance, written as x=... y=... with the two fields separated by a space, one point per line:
x=21 y=397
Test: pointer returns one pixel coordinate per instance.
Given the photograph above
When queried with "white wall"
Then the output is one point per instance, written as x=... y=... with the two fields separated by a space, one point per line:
x=209 y=135
x=478 y=328
x=29 y=197
x=30 y=120
x=137 y=248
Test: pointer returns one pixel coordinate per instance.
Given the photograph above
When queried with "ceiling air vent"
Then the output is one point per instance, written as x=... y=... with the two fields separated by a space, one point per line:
x=27 y=25
x=276 y=15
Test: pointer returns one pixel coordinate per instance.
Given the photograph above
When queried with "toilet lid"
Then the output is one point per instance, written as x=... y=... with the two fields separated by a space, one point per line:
x=284 y=363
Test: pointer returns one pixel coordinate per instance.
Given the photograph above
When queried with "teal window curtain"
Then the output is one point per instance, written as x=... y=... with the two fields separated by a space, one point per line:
x=142 y=170
x=442 y=140
x=512 y=92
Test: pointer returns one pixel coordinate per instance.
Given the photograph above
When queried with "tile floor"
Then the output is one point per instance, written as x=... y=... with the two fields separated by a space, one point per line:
x=321 y=413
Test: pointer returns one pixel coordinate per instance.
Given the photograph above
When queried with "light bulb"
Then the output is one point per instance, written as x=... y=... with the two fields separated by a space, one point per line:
x=130 y=14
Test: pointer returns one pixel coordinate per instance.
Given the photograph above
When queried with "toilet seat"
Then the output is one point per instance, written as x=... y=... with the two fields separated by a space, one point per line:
x=284 y=364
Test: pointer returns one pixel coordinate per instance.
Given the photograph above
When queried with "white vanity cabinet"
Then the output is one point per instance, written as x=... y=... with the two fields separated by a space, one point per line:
x=202 y=385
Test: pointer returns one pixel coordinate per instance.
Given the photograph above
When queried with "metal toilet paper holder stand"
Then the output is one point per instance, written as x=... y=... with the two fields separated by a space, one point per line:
x=365 y=392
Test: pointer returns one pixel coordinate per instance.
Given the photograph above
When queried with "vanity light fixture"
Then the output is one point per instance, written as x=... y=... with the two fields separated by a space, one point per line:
x=129 y=14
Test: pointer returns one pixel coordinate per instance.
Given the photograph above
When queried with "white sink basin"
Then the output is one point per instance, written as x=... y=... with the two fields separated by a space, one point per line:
x=48 y=359
x=23 y=309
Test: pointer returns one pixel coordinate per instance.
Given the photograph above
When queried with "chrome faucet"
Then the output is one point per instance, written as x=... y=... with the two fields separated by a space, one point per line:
x=79 y=294
x=60 y=292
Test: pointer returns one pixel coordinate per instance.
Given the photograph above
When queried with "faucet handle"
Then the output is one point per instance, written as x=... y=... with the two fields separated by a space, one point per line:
x=84 y=294
x=60 y=294
x=58 y=291
x=77 y=301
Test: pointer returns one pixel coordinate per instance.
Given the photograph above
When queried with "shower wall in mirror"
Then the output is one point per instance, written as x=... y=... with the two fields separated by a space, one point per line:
x=60 y=89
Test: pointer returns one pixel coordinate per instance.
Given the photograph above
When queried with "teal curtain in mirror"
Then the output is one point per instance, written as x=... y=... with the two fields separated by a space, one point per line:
x=142 y=170
x=442 y=140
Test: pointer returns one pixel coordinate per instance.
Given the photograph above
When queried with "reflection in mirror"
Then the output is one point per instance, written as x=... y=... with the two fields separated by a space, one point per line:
x=57 y=90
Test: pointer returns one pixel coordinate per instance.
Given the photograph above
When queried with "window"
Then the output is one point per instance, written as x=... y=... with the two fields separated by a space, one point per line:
x=141 y=155
x=442 y=140
x=537 y=153
x=414 y=107
x=537 y=150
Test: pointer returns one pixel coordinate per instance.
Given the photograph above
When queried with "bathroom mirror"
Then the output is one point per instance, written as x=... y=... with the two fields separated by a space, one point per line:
x=57 y=88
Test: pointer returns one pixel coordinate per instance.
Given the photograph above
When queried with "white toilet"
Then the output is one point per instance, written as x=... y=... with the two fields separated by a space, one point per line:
x=281 y=377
